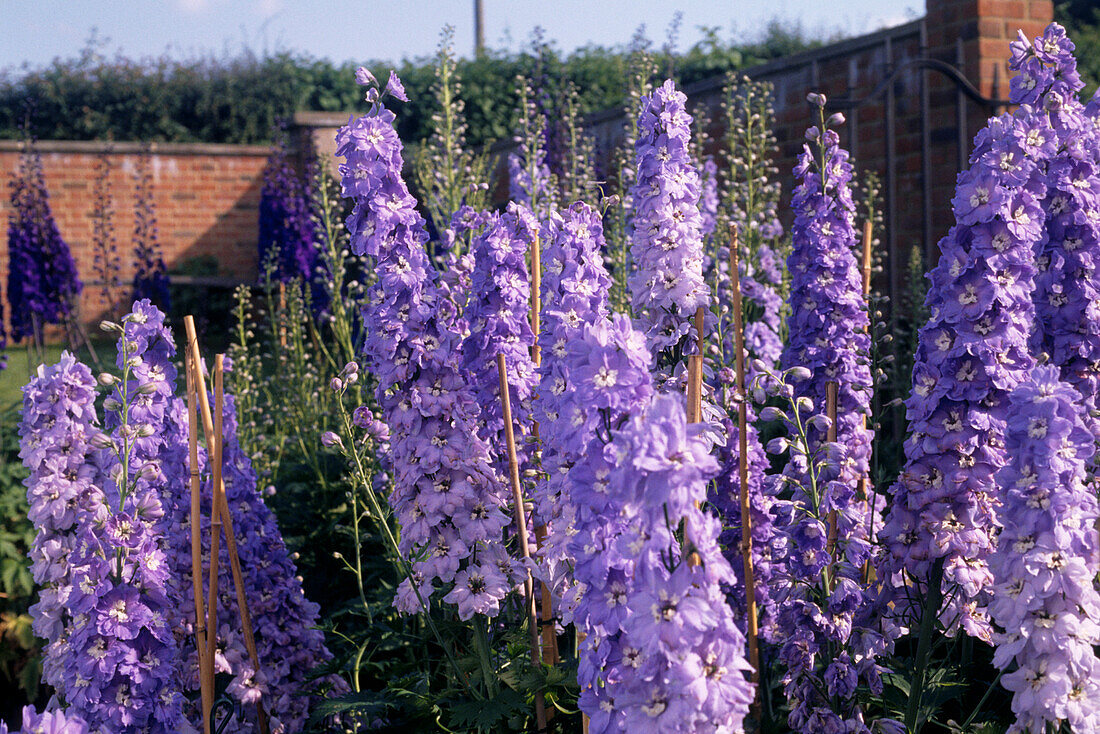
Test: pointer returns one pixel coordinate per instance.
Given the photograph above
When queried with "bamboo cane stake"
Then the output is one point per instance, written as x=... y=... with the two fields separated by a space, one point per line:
x=549 y=635
x=752 y=626
x=866 y=491
x=196 y=548
x=215 y=530
x=223 y=513
x=521 y=526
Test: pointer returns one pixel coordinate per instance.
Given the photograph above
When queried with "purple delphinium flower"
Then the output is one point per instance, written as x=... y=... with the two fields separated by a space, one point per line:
x=57 y=424
x=288 y=230
x=822 y=597
x=283 y=620
x=667 y=246
x=444 y=485
x=708 y=197
x=498 y=316
x=574 y=293
x=1046 y=560
x=1067 y=286
x=42 y=280
x=49 y=722
x=725 y=496
x=150 y=273
x=970 y=355
x=671 y=657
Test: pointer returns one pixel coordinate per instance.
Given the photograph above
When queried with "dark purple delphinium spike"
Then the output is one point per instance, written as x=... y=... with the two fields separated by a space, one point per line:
x=446 y=495
x=150 y=272
x=971 y=354
x=1047 y=559
x=667 y=247
x=823 y=599
x=42 y=280
x=1067 y=286
x=288 y=231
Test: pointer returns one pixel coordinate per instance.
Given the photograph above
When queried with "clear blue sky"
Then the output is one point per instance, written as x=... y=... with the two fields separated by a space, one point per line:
x=37 y=31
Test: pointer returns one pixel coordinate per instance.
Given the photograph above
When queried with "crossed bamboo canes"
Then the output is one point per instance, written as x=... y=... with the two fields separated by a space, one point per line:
x=206 y=636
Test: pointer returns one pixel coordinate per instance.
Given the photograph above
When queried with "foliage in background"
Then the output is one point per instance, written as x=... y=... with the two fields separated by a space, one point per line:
x=239 y=99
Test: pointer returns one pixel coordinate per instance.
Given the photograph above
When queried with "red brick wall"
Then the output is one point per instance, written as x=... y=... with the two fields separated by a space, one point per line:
x=206 y=198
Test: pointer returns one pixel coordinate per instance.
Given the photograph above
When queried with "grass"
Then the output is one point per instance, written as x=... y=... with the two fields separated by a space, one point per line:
x=22 y=363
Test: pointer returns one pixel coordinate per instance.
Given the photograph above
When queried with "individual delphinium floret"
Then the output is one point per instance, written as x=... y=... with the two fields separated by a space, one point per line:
x=682 y=666
x=43 y=284
x=288 y=229
x=826 y=523
x=971 y=353
x=48 y=721
x=448 y=175
x=1067 y=286
x=1047 y=559
x=445 y=494
x=575 y=288
x=121 y=634
x=498 y=315
x=150 y=272
x=57 y=426
x=667 y=246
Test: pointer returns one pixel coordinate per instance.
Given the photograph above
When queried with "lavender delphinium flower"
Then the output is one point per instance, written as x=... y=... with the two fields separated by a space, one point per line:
x=575 y=288
x=1067 y=286
x=57 y=425
x=499 y=320
x=971 y=353
x=48 y=722
x=150 y=273
x=1046 y=561
x=446 y=495
x=667 y=248
x=42 y=280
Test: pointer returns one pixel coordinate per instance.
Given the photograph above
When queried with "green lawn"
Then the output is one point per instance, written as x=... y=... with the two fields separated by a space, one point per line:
x=22 y=364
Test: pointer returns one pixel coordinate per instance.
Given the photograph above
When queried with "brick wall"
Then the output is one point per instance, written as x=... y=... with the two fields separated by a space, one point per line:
x=206 y=197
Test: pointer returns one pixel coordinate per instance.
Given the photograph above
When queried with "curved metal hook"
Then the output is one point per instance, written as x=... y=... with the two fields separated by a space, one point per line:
x=232 y=711
x=942 y=67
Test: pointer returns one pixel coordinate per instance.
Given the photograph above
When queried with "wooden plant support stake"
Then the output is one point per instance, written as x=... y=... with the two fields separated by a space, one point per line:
x=865 y=490
x=196 y=546
x=224 y=515
x=215 y=527
x=521 y=527
x=549 y=635
x=752 y=626
x=830 y=411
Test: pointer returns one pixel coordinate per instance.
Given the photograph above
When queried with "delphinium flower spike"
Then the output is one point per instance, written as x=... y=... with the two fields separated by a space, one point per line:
x=575 y=288
x=667 y=247
x=445 y=493
x=823 y=603
x=498 y=317
x=1067 y=286
x=288 y=229
x=971 y=353
x=150 y=273
x=1047 y=559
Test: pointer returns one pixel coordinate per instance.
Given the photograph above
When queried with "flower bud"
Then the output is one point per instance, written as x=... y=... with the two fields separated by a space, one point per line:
x=328 y=438
x=101 y=440
x=107 y=379
x=837 y=118
x=778 y=445
x=336 y=384
x=798 y=374
x=771 y=413
x=110 y=326
x=816 y=98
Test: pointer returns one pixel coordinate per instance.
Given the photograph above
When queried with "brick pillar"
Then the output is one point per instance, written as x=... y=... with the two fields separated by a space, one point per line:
x=986 y=27
x=319 y=130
